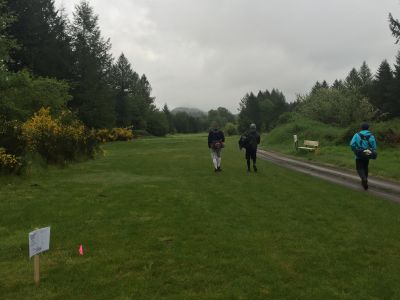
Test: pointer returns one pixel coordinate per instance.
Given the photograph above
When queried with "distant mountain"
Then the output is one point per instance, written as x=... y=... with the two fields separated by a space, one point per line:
x=195 y=112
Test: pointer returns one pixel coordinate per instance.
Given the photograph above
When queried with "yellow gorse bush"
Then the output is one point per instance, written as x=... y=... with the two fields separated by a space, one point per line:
x=39 y=128
x=55 y=139
x=63 y=138
x=115 y=134
x=122 y=134
x=9 y=162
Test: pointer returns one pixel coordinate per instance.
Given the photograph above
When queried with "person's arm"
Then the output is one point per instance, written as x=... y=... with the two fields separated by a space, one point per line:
x=258 y=139
x=355 y=141
x=209 y=140
x=222 y=137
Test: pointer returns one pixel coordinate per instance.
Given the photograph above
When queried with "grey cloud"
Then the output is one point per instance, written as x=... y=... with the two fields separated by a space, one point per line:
x=209 y=53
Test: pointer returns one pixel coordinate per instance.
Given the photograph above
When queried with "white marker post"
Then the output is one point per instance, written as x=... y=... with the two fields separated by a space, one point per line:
x=39 y=241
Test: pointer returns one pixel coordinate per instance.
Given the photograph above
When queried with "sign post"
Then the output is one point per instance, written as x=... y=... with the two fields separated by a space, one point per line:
x=39 y=241
x=36 y=269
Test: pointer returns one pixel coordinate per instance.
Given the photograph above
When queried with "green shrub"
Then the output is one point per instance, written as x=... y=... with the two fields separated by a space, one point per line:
x=338 y=108
x=305 y=129
x=230 y=129
x=142 y=133
x=387 y=132
x=287 y=117
x=22 y=95
x=11 y=136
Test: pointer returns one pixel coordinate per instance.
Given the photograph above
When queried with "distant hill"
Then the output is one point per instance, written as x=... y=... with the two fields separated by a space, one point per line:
x=195 y=112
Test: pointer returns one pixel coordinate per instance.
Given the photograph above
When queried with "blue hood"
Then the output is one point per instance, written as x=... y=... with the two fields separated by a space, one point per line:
x=366 y=132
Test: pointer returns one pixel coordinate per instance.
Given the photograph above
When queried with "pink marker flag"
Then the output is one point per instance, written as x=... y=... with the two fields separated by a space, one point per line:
x=81 y=250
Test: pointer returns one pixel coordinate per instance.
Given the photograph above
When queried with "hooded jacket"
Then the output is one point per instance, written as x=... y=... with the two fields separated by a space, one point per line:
x=357 y=142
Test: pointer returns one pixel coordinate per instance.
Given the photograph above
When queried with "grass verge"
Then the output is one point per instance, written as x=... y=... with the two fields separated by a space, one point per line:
x=157 y=223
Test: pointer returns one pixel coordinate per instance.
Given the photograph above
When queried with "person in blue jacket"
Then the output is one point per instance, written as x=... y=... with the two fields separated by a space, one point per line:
x=216 y=140
x=363 y=145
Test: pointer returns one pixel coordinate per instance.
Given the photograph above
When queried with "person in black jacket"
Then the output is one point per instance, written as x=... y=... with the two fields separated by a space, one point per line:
x=216 y=140
x=250 y=142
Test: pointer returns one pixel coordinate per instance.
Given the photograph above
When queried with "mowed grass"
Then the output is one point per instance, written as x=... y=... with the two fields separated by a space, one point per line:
x=157 y=223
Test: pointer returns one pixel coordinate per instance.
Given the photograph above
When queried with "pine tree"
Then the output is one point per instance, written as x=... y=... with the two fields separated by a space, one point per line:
x=353 y=80
x=250 y=112
x=395 y=89
x=366 y=80
x=338 y=85
x=317 y=86
x=6 y=43
x=365 y=74
x=394 y=27
x=41 y=33
x=325 y=85
x=124 y=82
x=381 y=92
x=143 y=103
x=169 y=118
x=93 y=98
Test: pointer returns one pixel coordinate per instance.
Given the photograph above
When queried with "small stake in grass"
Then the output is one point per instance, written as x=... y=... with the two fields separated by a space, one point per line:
x=39 y=241
x=81 y=250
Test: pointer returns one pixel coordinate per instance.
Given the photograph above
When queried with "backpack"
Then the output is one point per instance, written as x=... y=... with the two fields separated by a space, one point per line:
x=361 y=151
x=217 y=145
x=252 y=140
x=243 y=141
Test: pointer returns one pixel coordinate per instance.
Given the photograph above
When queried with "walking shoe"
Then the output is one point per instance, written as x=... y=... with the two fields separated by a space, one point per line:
x=364 y=183
x=215 y=170
x=219 y=169
x=255 y=168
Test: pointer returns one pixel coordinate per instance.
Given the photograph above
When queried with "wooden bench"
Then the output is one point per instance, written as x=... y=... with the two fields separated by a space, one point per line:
x=307 y=145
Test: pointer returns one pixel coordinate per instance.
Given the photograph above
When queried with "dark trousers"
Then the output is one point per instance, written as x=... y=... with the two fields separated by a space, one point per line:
x=362 y=168
x=251 y=154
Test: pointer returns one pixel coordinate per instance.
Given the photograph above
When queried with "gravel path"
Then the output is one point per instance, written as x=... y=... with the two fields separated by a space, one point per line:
x=383 y=188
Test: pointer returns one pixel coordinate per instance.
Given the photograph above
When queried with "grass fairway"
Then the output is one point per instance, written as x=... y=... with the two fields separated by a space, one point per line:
x=157 y=223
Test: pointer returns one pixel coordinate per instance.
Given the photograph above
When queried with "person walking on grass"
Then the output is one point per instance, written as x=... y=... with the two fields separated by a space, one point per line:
x=363 y=145
x=216 y=140
x=250 y=141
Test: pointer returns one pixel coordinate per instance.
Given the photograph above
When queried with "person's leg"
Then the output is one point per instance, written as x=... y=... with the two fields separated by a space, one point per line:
x=248 y=159
x=219 y=159
x=214 y=158
x=366 y=168
x=360 y=166
x=366 y=165
x=254 y=158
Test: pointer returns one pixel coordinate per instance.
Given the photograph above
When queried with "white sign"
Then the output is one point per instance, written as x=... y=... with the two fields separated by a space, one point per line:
x=39 y=241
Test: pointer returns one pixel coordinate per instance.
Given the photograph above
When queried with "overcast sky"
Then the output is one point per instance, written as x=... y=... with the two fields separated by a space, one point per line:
x=210 y=53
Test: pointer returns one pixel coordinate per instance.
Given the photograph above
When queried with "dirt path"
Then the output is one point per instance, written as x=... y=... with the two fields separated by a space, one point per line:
x=379 y=187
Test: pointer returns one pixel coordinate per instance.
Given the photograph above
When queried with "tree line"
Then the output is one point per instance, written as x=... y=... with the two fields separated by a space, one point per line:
x=49 y=60
x=186 y=121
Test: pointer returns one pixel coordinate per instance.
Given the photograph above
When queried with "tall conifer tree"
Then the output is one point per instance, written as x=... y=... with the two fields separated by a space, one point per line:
x=381 y=91
x=93 y=98
x=41 y=33
x=124 y=82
